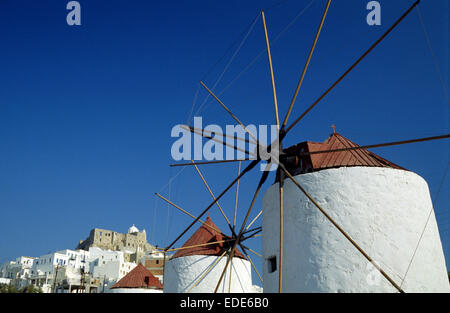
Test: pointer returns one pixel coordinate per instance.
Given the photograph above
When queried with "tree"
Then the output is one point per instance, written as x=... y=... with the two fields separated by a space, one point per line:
x=4 y=288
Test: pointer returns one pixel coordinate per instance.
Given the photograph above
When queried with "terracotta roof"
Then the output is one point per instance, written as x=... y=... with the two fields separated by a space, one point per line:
x=316 y=162
x=204 y=235
x=139 y=277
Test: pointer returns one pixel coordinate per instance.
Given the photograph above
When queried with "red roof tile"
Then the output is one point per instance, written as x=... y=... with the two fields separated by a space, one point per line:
x=316 y=162
x=139 y=277
x=204 y=235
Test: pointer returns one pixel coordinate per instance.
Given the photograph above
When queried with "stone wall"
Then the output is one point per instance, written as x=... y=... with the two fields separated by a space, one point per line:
x=111 y=240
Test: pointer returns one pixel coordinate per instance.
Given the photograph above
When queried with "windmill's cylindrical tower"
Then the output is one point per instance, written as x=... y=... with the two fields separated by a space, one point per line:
x=199 y=269
x=383 y=207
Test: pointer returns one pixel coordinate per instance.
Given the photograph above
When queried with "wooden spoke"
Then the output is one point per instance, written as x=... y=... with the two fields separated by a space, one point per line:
x=306 y=65
x=255 y=234
x=211 y=193
x=207 y=271
x=329 y=218
x=252 y=232
x=199 y=245
x=237 y=195
x=253 y=265
x=251 y=223
x=219 y=141
x=256 y=229
x=261 y=182
x=231 y=275
x=231 y=113
x=187 y=213
x=208 y=162
x=275 y=101
x=280 y=272
x=164 y=267
x=210 y=133
x=395 y=143
x=353 y=66
x=230 y=256
x=258 y=189
x=254 y=252
x=245 y=171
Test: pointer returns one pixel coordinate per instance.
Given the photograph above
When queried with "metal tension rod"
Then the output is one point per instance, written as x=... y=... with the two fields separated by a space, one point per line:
x=274 y=91
x=306 y=65
x=395 y=143
x=353 y=66
x=329 y=218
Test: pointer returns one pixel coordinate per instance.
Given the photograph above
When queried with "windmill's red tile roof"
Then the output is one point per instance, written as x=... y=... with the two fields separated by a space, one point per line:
x=204 y=235
x=139 y=277
x=316 y=162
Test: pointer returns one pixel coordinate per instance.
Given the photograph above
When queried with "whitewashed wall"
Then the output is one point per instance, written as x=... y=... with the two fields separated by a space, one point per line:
x=113 y=270
x=384 y=210
x=180 y=274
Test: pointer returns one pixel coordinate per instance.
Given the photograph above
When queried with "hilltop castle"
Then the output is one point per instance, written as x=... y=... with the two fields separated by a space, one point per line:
x=133 y=242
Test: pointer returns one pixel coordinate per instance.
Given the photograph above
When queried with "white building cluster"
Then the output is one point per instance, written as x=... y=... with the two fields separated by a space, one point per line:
x=68 y=270
x=94 y=270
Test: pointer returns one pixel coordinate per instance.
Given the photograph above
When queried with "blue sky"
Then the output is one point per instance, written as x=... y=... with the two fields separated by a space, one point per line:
x=86 y=111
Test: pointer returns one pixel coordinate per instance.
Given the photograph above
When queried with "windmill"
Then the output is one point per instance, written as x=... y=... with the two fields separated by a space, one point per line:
x=287 y=163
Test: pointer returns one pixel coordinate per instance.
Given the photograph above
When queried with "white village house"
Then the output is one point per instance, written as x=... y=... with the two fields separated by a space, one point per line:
x=18 y=271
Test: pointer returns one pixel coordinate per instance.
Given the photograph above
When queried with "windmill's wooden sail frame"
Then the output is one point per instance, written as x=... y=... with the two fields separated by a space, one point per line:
x=237 y=238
